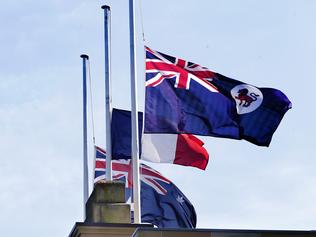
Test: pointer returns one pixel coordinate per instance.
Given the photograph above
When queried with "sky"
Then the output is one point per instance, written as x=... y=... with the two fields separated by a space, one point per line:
x=263 y=43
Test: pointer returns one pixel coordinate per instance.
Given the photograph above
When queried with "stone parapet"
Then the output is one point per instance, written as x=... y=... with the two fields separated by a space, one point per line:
x=107 y=204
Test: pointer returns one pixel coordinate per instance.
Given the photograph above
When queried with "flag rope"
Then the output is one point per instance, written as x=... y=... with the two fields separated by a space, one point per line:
x=141 y=20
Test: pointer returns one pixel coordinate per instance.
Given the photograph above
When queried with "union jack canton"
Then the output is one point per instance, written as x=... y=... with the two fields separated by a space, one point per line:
x=161 y=66
x=122 y=169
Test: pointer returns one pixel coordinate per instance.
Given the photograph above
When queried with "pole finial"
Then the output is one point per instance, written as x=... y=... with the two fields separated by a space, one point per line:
x=84 y=56
x=105 y=7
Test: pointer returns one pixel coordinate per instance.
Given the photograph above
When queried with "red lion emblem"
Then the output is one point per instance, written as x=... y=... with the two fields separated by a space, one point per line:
x=245 y=99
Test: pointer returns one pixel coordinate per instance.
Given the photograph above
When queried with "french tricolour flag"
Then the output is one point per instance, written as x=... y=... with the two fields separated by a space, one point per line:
x=181 y=149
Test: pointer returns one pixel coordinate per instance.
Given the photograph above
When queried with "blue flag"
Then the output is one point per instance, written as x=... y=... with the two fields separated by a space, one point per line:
x=260 y=110
x=184 y=97
x=162 y=203
x=122 y=132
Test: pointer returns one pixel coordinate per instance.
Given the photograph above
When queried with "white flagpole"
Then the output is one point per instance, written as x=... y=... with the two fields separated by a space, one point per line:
x=85 y=58
x=108 y=93
x=135 y=142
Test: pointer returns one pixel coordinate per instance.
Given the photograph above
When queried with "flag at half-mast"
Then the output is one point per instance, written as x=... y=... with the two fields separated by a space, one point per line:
x=184 y=97
x=162 y=203
x=180 y=149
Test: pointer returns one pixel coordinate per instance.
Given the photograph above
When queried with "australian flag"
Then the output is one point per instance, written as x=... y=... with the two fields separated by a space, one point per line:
x=162 y=203
x=184 y=97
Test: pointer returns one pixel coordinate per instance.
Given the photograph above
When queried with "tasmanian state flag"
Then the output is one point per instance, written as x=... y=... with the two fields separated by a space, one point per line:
x=184 y=97
x=181 y=149
x=162 y=203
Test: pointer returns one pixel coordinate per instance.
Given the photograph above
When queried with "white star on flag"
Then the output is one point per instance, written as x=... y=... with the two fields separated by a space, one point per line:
x=180 y=199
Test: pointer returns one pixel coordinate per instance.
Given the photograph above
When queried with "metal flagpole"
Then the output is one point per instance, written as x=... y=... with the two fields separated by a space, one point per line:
x=108 y=93
x=135 y=142
x=85 y=143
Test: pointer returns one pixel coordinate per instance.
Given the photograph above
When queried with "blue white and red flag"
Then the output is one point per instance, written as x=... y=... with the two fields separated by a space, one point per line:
x=162 y=203
x=184 y=97
x=180 y=149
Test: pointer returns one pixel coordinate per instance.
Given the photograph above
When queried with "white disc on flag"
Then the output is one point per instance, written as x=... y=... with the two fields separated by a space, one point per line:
x=248 y=98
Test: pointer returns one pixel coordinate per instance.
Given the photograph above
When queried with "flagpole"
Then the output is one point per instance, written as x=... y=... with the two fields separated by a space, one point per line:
x=108 y=93
x=85 y=58
x=135 y=142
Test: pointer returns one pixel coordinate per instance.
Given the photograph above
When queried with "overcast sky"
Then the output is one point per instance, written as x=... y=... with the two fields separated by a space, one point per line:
x=264 y=43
